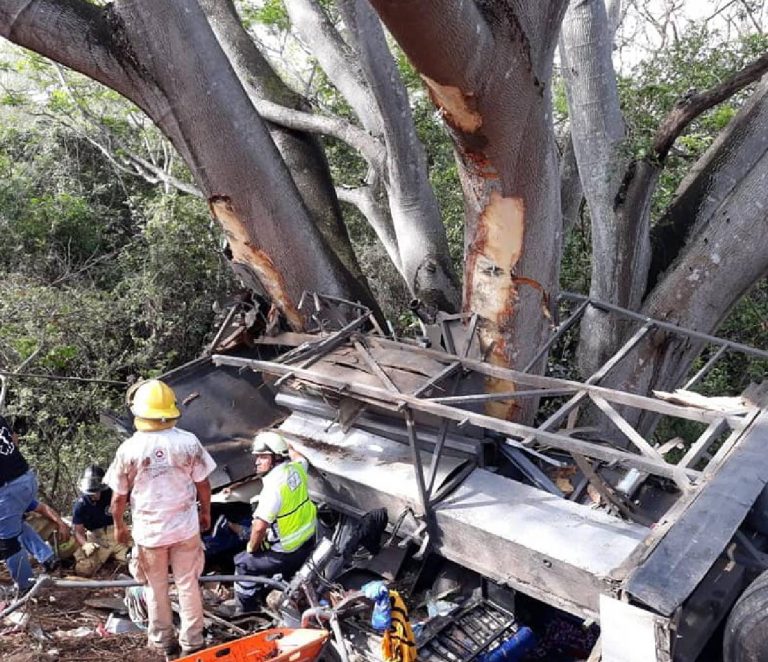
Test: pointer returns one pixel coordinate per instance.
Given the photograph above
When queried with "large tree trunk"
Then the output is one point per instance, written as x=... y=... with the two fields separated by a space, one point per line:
x=725 y=255
x=620 y=250
x=488 y=69
x=142 y=50
x=301 y=151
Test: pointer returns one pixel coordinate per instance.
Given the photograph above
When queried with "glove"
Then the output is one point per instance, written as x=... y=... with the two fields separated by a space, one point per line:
x=89 y=548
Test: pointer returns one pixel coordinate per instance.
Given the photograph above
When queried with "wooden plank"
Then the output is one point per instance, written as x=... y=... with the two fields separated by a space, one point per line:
x=693 y=543
x=508 y=395
x=383 y=376
x=509 y=428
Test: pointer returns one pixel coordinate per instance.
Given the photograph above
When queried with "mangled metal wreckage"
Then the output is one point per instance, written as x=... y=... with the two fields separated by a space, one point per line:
x=595 y=521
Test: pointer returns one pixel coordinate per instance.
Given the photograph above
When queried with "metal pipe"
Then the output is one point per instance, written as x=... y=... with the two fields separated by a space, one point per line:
x=667 y=326
x=123 y=583
x=557 y=335
x=706 y=367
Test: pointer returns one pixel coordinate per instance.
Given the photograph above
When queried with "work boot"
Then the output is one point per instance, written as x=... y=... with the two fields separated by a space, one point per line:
x=172 y=652
x=52 y=564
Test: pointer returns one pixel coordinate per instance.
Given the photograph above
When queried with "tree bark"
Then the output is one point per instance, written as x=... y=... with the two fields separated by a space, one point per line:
x=725 y=254
x=364 y=71
x=141 y=49
x=487 y=68
x=597 y=130
x=300 y=150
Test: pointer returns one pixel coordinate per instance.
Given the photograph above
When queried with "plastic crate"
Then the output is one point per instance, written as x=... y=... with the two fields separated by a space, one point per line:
x=276 y=645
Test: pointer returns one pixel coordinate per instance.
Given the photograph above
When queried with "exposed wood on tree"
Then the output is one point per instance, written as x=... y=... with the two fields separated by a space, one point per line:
x=497 y=108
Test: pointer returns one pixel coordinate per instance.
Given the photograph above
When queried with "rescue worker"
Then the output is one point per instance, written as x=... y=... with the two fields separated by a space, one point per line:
x=94 y=525
x=18 y=487
x=164 y=470
x=284 y=522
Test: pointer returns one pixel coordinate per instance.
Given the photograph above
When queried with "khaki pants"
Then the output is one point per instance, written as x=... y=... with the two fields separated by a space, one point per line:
x=149 y=565
x=87 y=566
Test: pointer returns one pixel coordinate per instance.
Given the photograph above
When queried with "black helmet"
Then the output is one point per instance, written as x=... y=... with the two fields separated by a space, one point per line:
x=92 y=481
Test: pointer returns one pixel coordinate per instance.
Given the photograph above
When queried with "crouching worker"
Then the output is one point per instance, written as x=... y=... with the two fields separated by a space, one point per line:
x=164 y=470
x=94 y=525
x=284 y=522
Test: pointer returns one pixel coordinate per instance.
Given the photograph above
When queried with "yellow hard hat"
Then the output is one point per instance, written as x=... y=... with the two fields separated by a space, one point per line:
x=155 y=400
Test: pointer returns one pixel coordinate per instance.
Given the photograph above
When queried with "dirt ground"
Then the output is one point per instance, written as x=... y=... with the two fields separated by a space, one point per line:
x=51 y=623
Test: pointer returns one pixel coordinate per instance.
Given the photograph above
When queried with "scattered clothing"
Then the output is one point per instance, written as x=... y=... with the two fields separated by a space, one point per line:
x=398 y=643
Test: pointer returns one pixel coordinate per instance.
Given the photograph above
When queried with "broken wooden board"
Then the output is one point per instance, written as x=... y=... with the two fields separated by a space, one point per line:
x=690 y=547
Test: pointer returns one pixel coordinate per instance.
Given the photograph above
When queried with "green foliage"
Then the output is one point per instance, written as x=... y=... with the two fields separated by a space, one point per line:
x=698 y=60
x=270 y=13
x=102 y=276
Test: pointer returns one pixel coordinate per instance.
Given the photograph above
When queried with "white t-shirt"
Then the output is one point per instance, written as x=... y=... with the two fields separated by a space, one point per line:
x=159 y=469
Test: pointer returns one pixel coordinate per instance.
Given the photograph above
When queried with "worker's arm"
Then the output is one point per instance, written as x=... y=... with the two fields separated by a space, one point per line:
x=204 y=497
x=296 y=456
x=80 y=534
x=49 y=513
x=118 y=505
x=258 y=533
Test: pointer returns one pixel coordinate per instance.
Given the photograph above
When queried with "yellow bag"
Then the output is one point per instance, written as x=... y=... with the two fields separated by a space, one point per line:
x=398 y=643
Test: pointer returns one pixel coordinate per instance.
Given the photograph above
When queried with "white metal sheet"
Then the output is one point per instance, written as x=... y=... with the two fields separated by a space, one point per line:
x=627 y=633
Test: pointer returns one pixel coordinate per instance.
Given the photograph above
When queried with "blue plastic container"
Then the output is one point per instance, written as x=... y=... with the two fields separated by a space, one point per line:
x=513 y=649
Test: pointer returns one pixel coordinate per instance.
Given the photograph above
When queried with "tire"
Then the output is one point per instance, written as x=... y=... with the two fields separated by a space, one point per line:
x=746 y=631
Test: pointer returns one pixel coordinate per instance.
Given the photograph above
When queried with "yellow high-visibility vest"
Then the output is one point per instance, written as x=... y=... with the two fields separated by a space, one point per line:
x=297 y=519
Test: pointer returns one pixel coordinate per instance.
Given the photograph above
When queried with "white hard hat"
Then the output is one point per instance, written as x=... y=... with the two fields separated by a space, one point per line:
x=269 y=441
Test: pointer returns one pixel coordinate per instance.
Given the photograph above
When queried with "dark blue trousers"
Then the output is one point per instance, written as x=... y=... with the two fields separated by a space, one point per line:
x=267 y=564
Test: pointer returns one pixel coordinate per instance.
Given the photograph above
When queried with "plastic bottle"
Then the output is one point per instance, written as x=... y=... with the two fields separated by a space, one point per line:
x=381 y=619
x=513 y=648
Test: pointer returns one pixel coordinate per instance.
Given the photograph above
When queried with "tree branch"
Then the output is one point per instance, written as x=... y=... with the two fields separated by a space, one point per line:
x=336 y=58
x=75 y=33
x=421 y=29
x=376 y=214
x=141 y=167
x=371 y=149
x=689 y=108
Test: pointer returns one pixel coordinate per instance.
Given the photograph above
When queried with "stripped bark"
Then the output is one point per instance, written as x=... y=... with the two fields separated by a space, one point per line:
x=141 y=49
x=300 y=150
x=487 y=68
